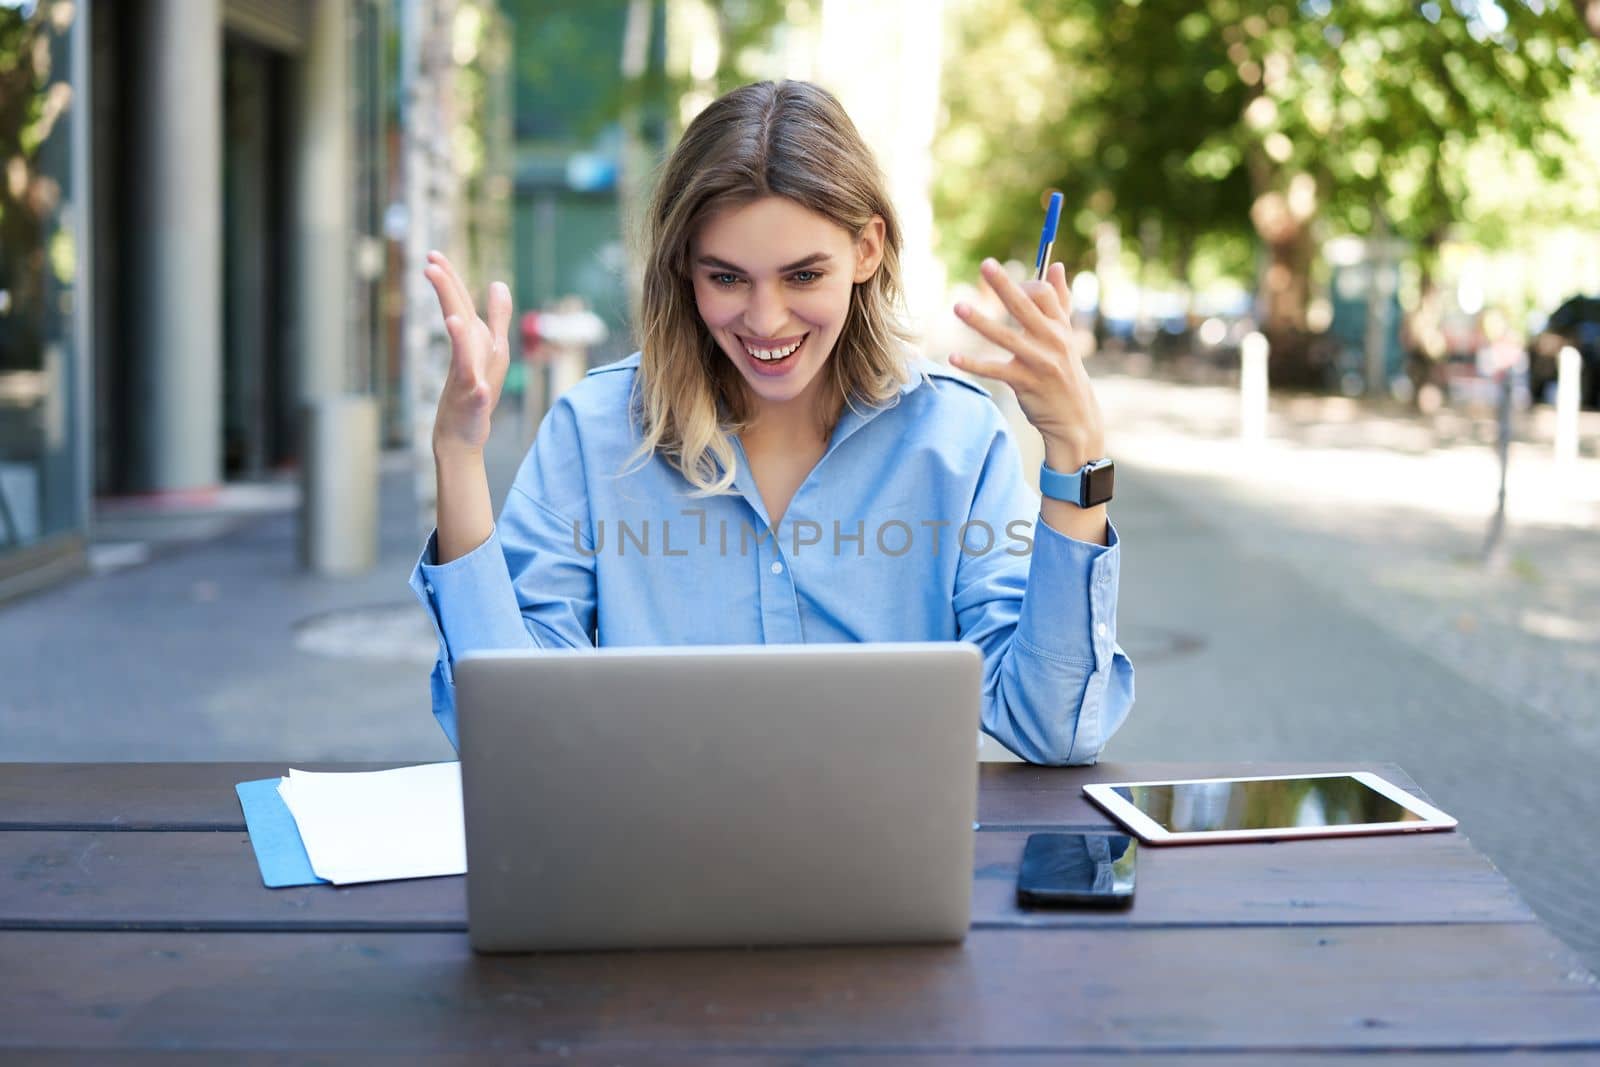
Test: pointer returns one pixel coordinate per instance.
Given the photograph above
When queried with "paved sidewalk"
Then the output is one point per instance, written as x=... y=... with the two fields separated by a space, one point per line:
x=200 y=638
x=1390 y=515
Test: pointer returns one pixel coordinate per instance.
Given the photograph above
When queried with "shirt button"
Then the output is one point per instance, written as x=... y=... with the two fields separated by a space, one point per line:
x=429 y=587
x=1100 y=629
x=777 y=568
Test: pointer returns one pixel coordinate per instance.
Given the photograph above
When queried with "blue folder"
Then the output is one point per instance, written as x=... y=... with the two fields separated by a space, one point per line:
x=273 y=834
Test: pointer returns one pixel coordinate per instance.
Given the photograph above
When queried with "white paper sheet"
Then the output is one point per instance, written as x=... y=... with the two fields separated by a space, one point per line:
x=374 y=826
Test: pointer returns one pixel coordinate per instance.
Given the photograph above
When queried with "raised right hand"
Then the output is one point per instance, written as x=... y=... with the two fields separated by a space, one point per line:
x=479 y=356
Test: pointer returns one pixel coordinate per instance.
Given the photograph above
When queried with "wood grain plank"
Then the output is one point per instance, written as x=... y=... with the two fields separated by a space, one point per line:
x=566 y=1056
x=1418 y=878
x=136 y=796
x=195 y=881
x=209 y=881
x=1492 y=987
x=199 y=796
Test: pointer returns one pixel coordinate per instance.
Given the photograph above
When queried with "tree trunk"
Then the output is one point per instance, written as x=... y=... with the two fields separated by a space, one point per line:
x=1589 y=12
x=1284 y=298
x=1420 y=334
x=1286 y=283
x=1283 y=212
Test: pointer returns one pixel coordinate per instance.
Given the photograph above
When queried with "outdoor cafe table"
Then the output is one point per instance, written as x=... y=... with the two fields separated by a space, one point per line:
x=134 y=926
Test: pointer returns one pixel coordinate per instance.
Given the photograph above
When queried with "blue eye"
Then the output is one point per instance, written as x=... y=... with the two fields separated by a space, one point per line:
x=725 y=279
x=811 y=276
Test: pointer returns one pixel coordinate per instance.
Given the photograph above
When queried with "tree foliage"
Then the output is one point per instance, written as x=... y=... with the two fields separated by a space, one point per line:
x=1283 y=120
x=571 y=82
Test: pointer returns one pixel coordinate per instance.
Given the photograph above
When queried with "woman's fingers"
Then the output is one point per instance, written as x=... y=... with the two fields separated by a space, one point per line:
x=1058 y=281
x=453 y=294
x=500 y=318
x=470 y=337
x=463 y=294
x=438 y=272
x=1017 y=301
x=1063 y=299
x=1043 y=296
x=1007 y=337
x=472 y=386
x=1001 y=370
x=442 y=287
x=463 y=361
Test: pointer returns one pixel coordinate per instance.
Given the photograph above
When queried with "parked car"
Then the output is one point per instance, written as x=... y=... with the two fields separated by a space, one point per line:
x=1575 y=323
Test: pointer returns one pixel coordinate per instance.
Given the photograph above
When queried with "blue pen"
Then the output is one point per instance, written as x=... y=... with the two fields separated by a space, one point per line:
x=1052 y=218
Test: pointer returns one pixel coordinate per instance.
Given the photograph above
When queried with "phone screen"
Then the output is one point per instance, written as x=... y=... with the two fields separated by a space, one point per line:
x=1092 y=869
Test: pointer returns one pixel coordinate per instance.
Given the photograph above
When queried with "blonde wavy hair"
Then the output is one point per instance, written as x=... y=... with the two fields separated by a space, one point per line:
x=790 y=139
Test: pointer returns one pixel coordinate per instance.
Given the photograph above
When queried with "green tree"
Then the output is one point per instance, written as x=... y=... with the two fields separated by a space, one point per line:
x=1362 y=114
x=1589 y=12
x=1291 y=118
x=573 y=74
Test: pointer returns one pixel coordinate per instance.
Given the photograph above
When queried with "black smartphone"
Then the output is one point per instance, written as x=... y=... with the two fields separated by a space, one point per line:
x=1075 y=870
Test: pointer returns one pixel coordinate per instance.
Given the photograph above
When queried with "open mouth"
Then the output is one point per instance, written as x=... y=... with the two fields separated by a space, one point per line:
x=771 y=358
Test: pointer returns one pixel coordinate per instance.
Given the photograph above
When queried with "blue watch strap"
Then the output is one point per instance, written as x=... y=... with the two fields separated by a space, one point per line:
x=1073 y=488
x=1058 y=486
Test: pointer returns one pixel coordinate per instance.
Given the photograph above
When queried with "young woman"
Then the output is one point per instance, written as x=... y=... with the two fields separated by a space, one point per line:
x=775 y=465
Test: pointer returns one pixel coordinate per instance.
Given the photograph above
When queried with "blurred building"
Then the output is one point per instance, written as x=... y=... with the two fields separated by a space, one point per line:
x=578 y=151
x=602 y=89
x=191 y=204
x=203 y=224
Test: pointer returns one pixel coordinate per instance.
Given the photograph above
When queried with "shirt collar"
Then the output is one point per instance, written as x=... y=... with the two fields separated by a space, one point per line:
x=855 y=415
x=916 y=368
x=916 y=374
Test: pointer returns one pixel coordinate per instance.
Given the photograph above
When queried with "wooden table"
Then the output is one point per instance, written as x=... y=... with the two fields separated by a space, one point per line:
x=133 y=922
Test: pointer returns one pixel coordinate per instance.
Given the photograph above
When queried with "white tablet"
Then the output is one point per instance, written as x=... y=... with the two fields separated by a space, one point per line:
x=1265 y=808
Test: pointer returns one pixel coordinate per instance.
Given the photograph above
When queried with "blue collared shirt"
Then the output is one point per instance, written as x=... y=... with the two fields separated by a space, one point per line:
x=916 y=525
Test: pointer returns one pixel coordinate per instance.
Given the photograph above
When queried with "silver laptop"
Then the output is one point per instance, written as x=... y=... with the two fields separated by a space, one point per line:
x=732 y=795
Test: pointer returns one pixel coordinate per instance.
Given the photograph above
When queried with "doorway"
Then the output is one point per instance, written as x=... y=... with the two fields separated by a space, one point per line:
x=258 y=398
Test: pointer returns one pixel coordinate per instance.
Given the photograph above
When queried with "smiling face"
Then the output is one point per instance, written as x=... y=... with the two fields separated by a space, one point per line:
x=772 y=282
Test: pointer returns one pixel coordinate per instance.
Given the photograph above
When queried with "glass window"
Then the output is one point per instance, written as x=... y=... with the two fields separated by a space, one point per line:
x=40 y=494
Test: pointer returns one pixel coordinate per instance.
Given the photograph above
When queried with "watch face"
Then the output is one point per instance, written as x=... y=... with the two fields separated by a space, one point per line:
x=1098 y=483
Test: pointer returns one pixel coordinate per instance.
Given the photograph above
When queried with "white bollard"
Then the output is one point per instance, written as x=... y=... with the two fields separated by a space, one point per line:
x=1569 y=372
x=339 y=484
x=568 y=365
x=1253 y=387
x=556 y=346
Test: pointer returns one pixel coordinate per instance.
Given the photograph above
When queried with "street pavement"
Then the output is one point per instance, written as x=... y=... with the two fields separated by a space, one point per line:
x=1319 y=596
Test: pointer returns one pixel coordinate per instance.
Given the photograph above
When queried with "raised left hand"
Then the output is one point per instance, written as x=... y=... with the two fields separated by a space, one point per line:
x=1048 y=377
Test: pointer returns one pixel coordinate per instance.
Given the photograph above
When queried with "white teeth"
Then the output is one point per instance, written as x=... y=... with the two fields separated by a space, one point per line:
x=769 y=355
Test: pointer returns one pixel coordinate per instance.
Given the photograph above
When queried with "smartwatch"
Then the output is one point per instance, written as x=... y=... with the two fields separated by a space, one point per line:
x=1087 y=486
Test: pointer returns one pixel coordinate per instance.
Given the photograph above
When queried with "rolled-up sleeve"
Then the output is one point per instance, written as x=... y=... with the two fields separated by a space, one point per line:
x=1056 y=683
x=530 y=584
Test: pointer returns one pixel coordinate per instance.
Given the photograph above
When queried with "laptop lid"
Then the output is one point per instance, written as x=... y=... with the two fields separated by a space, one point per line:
x=729 y=795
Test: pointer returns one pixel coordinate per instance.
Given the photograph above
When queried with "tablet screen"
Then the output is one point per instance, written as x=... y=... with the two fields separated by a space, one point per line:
x=1199 y=807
